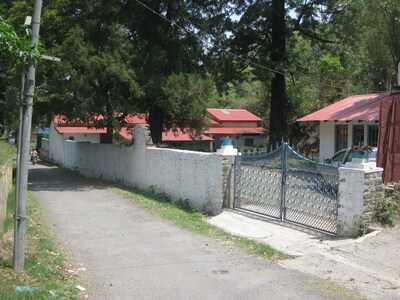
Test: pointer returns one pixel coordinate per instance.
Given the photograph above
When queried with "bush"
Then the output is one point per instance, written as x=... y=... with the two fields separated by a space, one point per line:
x=386 y=212
x=6 y=152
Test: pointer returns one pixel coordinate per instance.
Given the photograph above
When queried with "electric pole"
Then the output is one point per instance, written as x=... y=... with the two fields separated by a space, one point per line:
x=24 y=144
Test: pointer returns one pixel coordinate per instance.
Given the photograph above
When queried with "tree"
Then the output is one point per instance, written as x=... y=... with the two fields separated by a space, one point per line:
x=13 y=48
x=164 y=35
x=278 y=129
x=95 y=75
x=262 y=33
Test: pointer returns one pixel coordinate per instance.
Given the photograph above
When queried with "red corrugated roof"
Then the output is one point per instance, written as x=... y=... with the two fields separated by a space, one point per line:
x=179 y=136
x=236 y=130
x=359 y=107
x=126 y=132
x=76 y=129
x=131 y=119
x=233 y=115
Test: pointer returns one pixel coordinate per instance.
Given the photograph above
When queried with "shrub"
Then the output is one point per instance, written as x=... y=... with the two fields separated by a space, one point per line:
x=386 y=212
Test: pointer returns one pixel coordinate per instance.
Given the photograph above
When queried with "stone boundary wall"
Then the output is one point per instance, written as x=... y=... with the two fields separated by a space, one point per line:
x=5 y=188
x=194 y=176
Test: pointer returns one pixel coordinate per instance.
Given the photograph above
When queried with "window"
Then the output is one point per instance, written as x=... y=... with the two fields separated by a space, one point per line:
x=373 y=135
x=341 y=135
x=249 y=142
x=71 y=138
x=358 y=135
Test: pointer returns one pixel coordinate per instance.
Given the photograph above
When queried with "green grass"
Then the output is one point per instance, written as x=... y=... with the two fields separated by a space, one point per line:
x=8 y=221
x=334 y=290
x=184 y=217
x=7 y=151
x=46 y=265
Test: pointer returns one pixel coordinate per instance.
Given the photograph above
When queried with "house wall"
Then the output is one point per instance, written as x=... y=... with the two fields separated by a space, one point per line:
x=56 y=149
x=238 y=140
x=195 y=176
x=327 y=136
x=83 y=137
x=258 y=140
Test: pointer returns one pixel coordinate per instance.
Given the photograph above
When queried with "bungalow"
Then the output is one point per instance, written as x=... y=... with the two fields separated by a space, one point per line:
x=351 y=121
x=239 y=124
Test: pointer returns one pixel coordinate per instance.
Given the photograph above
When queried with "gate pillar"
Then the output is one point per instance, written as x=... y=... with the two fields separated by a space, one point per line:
x=359 y=191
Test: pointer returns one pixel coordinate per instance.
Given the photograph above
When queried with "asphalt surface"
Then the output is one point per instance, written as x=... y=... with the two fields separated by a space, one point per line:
x=130 y=254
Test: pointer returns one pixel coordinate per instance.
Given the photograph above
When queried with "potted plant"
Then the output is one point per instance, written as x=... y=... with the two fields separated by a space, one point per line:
x=361 y=153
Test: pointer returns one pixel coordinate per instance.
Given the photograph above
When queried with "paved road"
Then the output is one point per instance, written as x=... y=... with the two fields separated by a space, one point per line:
x=130 y=254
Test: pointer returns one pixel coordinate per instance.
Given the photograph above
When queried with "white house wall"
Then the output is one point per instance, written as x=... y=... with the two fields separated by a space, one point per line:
x=56 y=147
x=82 y=137
x=327 y=136
x=258 y=140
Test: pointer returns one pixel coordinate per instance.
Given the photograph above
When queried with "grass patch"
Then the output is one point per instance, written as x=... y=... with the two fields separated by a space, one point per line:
x=46 y=265
x=8 y=221
x=7 y=151
x=334 y=290
x=186 y=218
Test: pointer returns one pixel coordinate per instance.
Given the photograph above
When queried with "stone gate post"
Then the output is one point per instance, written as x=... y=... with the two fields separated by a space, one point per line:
x=359 y=191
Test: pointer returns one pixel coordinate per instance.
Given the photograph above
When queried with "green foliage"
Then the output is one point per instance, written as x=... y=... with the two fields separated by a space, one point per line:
x=8 y=221
x=187 y=98
x=7 y=151
x=386 y=212
x=12 y=46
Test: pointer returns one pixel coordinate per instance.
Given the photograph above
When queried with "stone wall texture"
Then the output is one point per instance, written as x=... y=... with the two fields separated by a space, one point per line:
x=359 y=192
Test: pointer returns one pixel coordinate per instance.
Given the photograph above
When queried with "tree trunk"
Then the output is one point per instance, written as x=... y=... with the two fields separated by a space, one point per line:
x=278 y=131
x=156 y=122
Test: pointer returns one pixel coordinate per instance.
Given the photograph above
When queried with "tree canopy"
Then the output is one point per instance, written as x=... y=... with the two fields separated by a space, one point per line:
x=173 y=59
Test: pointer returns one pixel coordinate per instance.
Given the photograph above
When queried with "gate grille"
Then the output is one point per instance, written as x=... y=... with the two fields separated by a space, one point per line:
x=286 y=186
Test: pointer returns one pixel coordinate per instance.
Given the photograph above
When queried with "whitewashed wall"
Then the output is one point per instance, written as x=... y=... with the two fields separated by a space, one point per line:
x=56 y=148
x=82 y=137
x=195 y=176
x=326 y=140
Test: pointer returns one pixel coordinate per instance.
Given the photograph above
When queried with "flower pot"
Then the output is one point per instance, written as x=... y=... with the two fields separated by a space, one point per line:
x=360 y=157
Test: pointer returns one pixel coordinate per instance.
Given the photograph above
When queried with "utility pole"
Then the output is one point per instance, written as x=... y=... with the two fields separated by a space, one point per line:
x=23 y=151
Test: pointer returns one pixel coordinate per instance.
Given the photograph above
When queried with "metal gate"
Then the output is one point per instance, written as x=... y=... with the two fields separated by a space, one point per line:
x=289 y=187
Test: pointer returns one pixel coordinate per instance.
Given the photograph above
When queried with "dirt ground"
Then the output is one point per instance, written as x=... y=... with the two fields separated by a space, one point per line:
x=369 y=265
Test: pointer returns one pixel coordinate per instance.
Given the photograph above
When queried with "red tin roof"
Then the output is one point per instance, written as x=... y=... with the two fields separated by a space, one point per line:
x=126 y=133
x=235 y=130
x=76 y=129
x=179 y=136
x=233 y=115
x=131 y=119
x=359 y=107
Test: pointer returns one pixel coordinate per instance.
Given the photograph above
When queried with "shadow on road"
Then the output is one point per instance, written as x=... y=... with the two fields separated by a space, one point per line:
x=45 y=177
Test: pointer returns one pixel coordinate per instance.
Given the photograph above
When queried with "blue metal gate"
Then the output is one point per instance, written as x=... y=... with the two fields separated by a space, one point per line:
x=289 y=187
